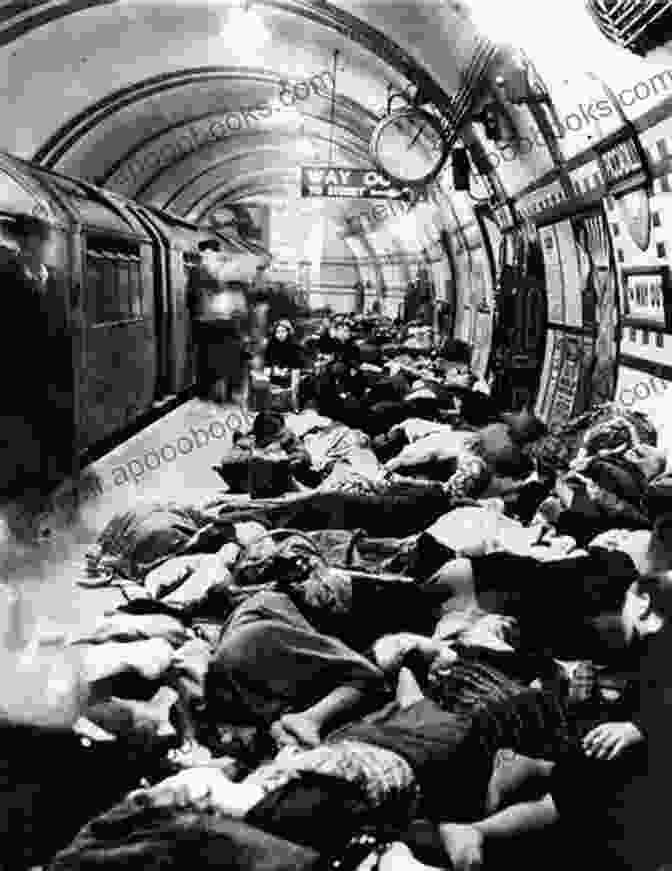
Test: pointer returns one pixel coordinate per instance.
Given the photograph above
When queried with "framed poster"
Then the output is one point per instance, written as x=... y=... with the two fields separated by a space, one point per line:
x=575 y=271
x=600 y=302
x=544 y=394
x=482 y=339
x=555 y=283
x=647 y=301
x=566 y=389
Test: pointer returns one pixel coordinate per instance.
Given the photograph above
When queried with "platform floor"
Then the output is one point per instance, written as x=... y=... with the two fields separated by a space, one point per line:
x=138 y=471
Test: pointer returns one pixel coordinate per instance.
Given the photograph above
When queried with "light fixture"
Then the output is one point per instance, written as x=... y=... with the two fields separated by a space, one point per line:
x=282 y=113
x=244 y=30
x=406 y=226
x=543 y=31
x=306 y=148
x=489 y=118
x=461 y=169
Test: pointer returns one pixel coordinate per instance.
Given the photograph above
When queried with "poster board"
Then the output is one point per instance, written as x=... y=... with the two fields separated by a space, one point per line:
x=564 y=273
x=562 y=390
x=482 y=341
x=555 y=283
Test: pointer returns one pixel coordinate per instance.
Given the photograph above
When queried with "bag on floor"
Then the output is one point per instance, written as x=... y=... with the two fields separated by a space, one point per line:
x=137 y=541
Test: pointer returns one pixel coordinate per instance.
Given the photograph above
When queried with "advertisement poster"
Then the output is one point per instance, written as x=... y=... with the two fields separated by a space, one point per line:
x=543 y=394
x=574 y=271
x=600 y=303
x=482 y=341
x=554 y=276
x=566 y=382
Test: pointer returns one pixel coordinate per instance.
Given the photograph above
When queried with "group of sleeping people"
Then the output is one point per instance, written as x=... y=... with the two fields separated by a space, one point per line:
x=403 y=733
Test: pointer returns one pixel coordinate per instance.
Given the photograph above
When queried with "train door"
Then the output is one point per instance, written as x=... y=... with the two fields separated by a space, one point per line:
x=521 y=321
x=119 y=369
x=163 y=310
x=177 y=254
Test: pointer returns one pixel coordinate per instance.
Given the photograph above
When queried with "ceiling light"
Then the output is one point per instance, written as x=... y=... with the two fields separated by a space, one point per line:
x=284 y=116
x=541 y=30
x=244 y=30
x=306 y=148
x=406 y=226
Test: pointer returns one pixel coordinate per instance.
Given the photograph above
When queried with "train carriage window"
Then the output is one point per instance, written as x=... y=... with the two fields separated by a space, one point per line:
x=109 y=299
x=135 y=266
x=94 y=286
x=124 y=286
x=113 y=280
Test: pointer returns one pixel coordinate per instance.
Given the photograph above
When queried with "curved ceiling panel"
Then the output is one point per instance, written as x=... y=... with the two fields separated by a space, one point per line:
x=215 y=163
x=213 y=137
x=195 y=112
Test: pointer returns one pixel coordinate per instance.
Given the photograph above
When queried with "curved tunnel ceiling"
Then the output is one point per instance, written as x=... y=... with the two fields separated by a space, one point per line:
x=155 y=100
x=159 y=100
x=188 y=119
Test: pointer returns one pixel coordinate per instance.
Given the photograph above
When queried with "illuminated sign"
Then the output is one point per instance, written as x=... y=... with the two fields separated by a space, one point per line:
x=333 y=181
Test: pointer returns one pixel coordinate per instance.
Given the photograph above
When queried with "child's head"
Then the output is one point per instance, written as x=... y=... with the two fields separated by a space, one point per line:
x=283 y=330
x=647 y=606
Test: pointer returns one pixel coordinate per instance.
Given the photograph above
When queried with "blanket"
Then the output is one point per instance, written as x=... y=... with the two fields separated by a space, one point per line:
x=272 y=661
x=129 y=837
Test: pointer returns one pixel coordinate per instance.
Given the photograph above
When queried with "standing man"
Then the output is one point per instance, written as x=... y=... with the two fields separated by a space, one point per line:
x=218 y=302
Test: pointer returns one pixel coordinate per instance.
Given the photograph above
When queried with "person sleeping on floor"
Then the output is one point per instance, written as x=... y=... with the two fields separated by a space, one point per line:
x=386 y=766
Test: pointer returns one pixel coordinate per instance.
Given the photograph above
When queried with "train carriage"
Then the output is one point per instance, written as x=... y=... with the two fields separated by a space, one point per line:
x=116 y=299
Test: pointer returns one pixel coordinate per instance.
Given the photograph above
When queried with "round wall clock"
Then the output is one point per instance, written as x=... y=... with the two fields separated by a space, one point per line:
x=409 y=146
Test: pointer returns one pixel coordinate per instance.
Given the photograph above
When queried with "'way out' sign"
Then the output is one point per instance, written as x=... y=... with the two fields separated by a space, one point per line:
x=335 y=181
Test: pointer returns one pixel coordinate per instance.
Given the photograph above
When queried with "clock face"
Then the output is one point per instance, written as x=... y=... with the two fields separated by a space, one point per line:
x=409 y=146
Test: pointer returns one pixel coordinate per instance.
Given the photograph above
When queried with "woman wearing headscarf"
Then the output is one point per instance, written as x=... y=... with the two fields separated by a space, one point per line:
x=283 y=359
x=283 y=351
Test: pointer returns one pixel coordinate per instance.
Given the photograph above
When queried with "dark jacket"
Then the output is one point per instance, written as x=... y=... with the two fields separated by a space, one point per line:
x=283 y=355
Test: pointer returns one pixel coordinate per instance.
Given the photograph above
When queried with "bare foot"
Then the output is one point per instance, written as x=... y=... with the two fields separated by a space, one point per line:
x=464 y=846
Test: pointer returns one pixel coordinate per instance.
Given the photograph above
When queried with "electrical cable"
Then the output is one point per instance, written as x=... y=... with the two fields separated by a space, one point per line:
x=333 y=111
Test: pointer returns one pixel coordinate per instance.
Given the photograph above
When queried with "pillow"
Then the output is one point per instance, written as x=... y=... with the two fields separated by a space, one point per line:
x=474 y=532
x=515 y=779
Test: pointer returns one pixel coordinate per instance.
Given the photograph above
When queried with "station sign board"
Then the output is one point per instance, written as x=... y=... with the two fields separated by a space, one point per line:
x=346 y=182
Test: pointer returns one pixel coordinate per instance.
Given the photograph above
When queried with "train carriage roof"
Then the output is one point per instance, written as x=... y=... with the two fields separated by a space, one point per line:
x=57 y=199
x=94 y=208
x=22 y=194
